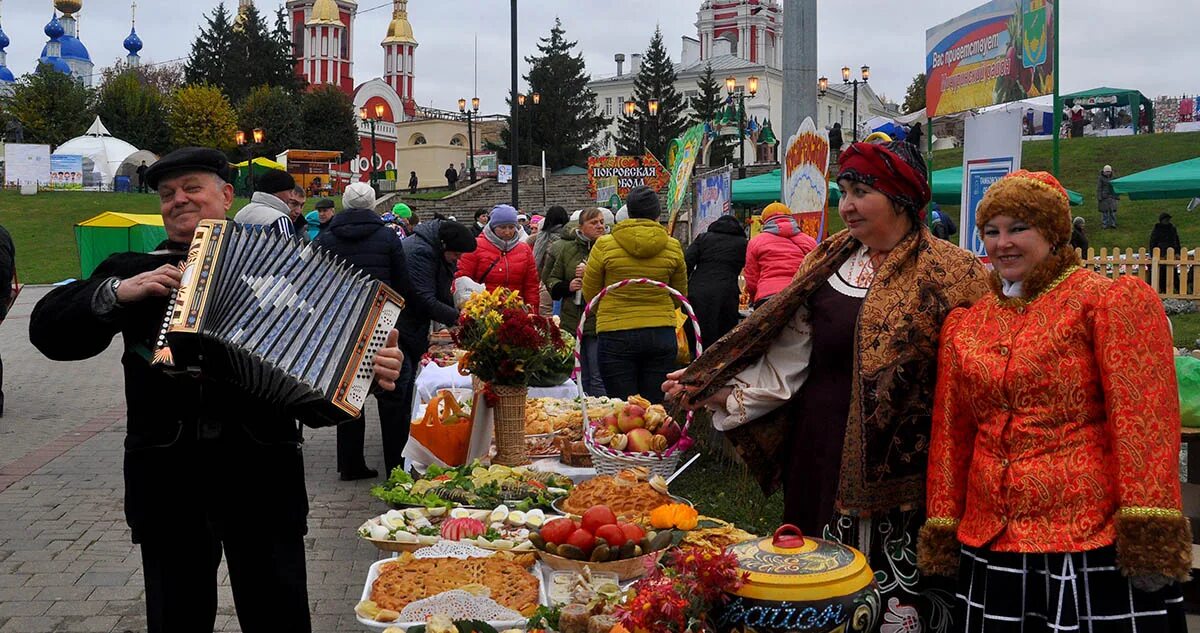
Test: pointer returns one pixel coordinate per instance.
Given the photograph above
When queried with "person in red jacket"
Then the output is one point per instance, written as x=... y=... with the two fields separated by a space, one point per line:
x=501 y=258
x=775 y=254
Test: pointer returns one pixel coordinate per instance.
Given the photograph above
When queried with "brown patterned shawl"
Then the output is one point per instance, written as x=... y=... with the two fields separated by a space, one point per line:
x=887 y=435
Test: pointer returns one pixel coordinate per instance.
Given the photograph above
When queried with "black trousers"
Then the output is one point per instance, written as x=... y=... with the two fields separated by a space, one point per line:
x=393 y=427
x=394 y=411
x=266 y=571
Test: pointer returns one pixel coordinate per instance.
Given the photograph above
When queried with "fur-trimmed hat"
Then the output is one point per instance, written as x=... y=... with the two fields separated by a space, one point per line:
x=1035 y=197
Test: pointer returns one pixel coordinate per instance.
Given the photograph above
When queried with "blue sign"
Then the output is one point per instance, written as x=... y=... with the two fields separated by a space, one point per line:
x=981 y=175
x=714 y=196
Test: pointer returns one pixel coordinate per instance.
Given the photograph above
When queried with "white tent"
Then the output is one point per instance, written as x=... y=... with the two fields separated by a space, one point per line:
x=106 y=151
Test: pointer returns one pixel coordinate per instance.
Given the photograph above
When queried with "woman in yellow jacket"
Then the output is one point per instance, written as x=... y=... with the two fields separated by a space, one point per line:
x=635 y=325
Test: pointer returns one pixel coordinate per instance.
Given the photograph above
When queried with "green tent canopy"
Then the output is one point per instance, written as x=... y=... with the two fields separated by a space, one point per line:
x=1176 y=180
x=765 y=189
x=110 y=233
x=947 y=188
x=1105 y=97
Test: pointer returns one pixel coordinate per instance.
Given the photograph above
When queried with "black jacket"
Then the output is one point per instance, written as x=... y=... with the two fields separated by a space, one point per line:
x=714 y=262
x=1164 y=235
x=190 y=443
x=361 y=238
x=835 y=138
x=8 y=267
x=431 y=277
x=1079 y=240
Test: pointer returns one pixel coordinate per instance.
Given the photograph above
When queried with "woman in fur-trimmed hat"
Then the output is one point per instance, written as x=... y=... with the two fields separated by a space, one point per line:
x=1054 y=465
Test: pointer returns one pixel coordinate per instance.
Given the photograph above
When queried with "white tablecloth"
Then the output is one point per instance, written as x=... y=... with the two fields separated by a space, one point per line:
x=1188 y=126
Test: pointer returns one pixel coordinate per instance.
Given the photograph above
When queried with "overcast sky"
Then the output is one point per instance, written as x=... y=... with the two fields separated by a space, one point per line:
x=1148 y=45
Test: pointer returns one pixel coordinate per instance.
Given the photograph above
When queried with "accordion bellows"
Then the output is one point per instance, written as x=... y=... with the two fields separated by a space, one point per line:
x=283 y=319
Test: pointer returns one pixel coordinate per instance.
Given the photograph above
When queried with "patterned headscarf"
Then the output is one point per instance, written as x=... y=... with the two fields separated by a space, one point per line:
x=896 y=169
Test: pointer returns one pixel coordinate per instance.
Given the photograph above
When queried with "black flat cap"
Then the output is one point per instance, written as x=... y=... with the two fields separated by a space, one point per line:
x=274 y=181
x=324 y=203
x=188 y=159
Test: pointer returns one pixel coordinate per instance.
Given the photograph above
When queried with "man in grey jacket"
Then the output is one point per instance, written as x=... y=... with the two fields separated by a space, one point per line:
x=1106 y=198
x=269 y=206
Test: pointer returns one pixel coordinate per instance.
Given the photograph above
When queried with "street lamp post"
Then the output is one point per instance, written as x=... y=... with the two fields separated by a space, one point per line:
x=372 y=121
x=257 y=136
x=731 y=88
x=535 y=99
x=631 y=108
x=474 y=111
x=823 y=85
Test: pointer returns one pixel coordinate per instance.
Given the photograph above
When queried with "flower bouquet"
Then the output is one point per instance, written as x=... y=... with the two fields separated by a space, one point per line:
x=506 y=345
x=679 y=592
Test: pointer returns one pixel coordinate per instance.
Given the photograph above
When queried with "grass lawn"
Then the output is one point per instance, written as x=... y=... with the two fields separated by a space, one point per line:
x=43 y=227
x=1186 y=329
x=722 y=489
x=1080 y=162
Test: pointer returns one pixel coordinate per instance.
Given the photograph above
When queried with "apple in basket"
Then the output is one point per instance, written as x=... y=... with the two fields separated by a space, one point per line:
x=631 y=417
x=609 y=422
x=461 y=528
x=670 y=430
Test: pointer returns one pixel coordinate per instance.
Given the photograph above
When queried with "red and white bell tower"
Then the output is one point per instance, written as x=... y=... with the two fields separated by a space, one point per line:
x=323 y=41
x=750 y=29
x=399 y=50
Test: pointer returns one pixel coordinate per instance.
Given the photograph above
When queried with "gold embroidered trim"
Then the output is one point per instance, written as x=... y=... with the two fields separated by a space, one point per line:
x=941 y=522
x=740 y=398
x=1143 y=511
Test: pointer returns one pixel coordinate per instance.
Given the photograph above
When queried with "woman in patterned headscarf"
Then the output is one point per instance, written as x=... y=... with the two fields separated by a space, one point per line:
x=827 y=389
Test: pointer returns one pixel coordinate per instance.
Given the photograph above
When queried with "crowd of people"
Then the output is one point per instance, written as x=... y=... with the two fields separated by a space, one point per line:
x=1001 y=445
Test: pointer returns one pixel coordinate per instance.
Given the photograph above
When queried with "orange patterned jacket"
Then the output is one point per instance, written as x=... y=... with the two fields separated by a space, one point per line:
x=1056 y=418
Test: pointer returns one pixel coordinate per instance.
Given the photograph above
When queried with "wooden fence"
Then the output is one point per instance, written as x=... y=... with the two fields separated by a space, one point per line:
x=1174 y=276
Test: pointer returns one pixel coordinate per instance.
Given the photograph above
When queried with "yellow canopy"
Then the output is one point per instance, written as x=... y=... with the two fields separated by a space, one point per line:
x=262 y=162
x=114 y=219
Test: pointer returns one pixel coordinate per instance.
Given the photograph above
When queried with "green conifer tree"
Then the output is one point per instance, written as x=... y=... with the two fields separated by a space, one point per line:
x=655 y=81
x=564 y=123
x=706 y=108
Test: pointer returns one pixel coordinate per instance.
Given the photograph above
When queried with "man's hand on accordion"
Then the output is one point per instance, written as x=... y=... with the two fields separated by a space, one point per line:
x=388 y=361
x=154 y=283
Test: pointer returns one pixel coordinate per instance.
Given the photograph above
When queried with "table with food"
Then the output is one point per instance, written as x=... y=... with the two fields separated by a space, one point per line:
x=564 y=520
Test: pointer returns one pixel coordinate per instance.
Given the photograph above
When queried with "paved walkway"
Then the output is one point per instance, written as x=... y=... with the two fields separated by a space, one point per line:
x=66 y=562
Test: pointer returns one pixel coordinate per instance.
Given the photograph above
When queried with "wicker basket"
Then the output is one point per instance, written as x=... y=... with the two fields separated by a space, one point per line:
x=606 y=460
x=510 y=425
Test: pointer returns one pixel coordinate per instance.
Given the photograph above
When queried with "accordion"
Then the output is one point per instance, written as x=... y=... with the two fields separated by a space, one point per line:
x=283 y=319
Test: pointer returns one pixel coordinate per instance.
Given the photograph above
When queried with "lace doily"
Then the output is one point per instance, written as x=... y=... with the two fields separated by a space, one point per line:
x=459 y=605
x=452 y=549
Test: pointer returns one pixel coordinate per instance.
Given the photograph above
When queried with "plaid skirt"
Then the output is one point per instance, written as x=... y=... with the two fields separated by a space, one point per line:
x=1002 y=592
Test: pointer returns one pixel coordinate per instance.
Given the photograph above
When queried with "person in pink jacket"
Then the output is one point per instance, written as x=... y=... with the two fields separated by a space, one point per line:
x=775 y=254
x=501 y=258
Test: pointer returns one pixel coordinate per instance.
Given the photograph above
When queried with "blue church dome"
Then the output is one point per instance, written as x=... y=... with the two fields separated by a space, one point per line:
x=133 y=43
x=72 y=48
x=4 y=41
x=58 y=64
x=6 y=75
x=54 y=29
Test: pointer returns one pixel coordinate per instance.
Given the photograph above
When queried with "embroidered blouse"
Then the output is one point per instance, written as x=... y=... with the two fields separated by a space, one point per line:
x=779 y=374
x=1052 y=417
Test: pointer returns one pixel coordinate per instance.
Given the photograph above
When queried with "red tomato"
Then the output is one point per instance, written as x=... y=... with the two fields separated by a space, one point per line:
x=582 y=539
x=557 y=531
x=597 y=516
x=612 y=535
x=632 y=532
